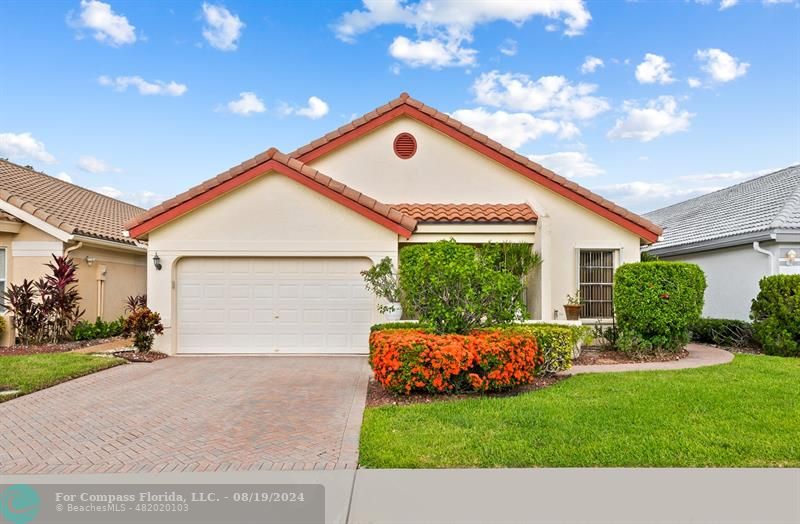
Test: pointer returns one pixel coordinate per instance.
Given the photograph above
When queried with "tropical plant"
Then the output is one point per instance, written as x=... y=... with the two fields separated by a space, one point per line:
x=60 y=298
x=135 y=302
x=143 y=325
x=23 y=301
x=382 y=281
x=513 y=257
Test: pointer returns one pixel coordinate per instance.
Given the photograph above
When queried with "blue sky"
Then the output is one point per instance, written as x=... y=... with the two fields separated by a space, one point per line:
x=645 y=102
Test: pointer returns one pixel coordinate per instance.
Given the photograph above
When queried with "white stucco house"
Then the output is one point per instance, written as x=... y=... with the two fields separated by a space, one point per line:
x=265 y=257
x=737 y=235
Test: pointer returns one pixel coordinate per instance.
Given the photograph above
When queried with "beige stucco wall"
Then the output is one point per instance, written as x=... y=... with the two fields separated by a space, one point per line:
x=444 y=170
x=271 y=216
x=123 y=274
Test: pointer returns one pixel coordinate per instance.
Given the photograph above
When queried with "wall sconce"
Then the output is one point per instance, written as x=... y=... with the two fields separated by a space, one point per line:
x=90 y=261
x=157 y=261
x=791 y=256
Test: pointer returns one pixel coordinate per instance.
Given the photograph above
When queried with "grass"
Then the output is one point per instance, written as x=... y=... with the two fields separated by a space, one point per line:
x=743 y=414
x=29 y=373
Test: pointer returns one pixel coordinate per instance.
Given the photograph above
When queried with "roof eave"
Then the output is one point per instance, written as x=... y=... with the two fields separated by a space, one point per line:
x=712 y=244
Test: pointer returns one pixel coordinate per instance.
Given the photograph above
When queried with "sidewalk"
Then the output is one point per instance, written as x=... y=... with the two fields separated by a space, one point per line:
x=699 y=356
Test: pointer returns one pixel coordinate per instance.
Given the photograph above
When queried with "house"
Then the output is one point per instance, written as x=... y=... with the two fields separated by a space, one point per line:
x=265 y=257
x=737 y=236
x=41 y=216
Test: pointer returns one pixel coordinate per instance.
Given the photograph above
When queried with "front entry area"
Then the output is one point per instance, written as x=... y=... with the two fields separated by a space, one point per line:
x=236 y=305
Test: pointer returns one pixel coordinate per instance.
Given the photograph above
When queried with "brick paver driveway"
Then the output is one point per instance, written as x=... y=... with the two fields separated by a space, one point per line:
x=191 y=414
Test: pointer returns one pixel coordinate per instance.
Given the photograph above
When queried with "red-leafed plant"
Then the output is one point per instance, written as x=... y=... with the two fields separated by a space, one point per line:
x=143 y=325
x=135 y=302
x=407 y=360
x=47 y=310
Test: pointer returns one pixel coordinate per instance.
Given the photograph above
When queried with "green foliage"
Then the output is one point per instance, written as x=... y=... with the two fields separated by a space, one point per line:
x=143 y=325
x=386 y=326
x=646 y=256
x=512 y=257
x=447 y=285
x=382 y=281
x=656 y=303
x=3 y=325
x=776 y=315
x=84 y=330
x=607 y=336
x=557 y=343
x=723 y=332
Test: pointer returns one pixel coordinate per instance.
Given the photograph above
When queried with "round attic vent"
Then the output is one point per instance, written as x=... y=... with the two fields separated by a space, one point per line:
x=405 y=145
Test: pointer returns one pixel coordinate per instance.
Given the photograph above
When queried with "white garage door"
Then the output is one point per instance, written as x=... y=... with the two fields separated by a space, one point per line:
x=273 y=305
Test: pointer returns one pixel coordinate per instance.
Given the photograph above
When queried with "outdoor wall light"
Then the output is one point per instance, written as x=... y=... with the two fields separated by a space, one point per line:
x=90 y=261
x=157 y=261
x=791 y=256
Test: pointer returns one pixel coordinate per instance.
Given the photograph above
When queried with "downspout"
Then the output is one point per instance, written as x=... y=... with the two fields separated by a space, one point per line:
x=757 y=247
x=73 y=248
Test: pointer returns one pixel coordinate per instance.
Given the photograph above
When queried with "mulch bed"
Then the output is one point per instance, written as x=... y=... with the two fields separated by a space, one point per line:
x=596 y=356
x=53 y=348
x=377 y=395
x=136 y=356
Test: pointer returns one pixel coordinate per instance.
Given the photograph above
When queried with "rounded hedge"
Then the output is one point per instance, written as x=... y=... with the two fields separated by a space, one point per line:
x=776 y=315
x=656 y=303
x=407 y=360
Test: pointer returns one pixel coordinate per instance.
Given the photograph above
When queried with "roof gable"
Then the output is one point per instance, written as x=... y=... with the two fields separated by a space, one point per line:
x=72 y=209
x=409 y=107
x=269 y=161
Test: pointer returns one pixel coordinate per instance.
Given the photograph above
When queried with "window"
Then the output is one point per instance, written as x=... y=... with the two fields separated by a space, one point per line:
x=2 y=279
x=596 y=283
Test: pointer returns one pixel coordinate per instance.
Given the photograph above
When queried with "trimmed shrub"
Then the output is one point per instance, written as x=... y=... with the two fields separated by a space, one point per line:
x=776 y=315
x=556 y=343
x=386 y=326
x=410 y=360
x=3 y=325
x=448 y=286
x=656 y=303
x=723 y=332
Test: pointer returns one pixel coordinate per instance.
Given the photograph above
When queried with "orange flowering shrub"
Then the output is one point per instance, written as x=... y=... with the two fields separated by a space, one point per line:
x=406 y=360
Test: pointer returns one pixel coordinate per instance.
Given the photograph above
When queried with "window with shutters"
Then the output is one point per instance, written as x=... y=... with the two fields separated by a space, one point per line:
x=596 y=283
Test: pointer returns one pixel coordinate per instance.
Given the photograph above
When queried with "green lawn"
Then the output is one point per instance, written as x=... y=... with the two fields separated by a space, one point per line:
x=746 y=413
x=29 y=373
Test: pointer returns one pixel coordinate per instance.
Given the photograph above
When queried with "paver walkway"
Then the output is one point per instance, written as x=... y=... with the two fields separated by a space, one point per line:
x=699 y=356
x=192 y=414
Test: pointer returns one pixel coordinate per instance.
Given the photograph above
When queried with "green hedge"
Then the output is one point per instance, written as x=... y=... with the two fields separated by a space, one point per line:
x=556 y=343
x=776 y=315
x=450 y=287
x=386 y=326
x=723 y=332
x=656 y=303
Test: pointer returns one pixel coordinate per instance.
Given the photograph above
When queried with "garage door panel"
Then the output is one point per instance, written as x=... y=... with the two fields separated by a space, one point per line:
x=271 y=305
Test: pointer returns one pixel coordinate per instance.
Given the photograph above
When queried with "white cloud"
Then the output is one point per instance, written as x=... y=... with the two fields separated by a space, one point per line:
x=247 y=104
x=571 y=164
x=654 y=69
x=591 y=64
x=555 y=96
x=513 y=129
x=94 y=165
x=24 y=145
x=64 y=176
x=720 y=66
x=458 y=16
x=316 y=108
x=725 y=4
x=156 y=87
x=223 y=28
x=659 y=116
x=725 y=177
x=109 y=27
x=509 y=47
x=694 y=82
x=107 y=191
x=434 y=53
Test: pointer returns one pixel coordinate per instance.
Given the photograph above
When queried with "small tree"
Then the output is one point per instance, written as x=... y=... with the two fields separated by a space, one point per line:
x=449 y=286
x=382 y=281
x=143 y=325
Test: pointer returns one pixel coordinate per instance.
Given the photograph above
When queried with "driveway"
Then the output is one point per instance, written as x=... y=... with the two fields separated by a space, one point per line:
x=192 y=414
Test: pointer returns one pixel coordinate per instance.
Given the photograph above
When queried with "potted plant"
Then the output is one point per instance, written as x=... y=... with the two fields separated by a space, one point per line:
x=382 y=280
x=573 y=306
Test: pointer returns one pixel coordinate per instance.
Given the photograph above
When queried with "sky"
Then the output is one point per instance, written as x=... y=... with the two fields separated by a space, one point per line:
x=645 y=102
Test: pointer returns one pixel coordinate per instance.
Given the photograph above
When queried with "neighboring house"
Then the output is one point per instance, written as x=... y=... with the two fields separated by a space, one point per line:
x=41 y=216
x=266 y=256
x=737 y=236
